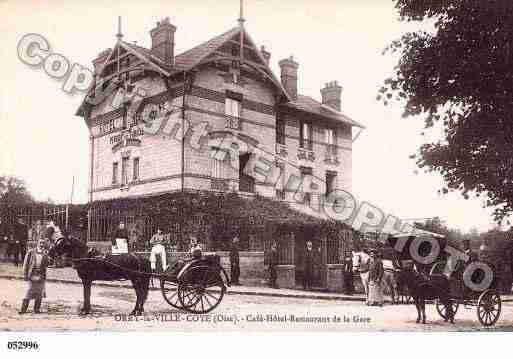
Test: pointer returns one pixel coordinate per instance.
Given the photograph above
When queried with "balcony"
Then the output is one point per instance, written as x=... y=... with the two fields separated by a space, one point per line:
x=280 y=194
x=232 y=122
x=219 y=184
x=305 y=154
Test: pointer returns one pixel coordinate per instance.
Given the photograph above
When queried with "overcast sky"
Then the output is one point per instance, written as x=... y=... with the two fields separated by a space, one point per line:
x=43 y=142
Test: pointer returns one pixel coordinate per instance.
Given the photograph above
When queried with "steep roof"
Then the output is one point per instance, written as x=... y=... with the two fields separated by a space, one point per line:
x=194 y=56
x=310 y=105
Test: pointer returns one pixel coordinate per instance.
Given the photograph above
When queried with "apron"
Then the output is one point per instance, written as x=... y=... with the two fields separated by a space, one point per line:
x=36 y=284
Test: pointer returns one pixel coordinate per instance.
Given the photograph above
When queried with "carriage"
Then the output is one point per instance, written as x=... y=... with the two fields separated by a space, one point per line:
x=487 y=302
x=197 y=286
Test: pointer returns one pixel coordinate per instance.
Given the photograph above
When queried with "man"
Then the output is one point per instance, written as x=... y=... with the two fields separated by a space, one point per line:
x=348 y=274
x=309 y=266
x=20 y=234
x=234 y=261
x=273 y=262
x=34 y=272
x=4 y=238
x=120 y=240
x=376 y=271
x=468 y=250
x=158 y=252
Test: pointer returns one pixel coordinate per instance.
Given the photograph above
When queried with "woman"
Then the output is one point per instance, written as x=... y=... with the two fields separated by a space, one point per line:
x=375 y=295
x=34 y=271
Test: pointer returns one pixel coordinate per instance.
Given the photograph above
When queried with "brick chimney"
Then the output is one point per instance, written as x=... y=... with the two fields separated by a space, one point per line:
x=265 y=54
x=289 y=76
x=100 y=59
x=331 y=94
x=163 y=40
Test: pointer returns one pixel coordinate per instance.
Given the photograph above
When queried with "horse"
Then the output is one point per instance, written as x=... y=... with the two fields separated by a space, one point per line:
x=361 y=263
x=422 y=288
x=91 y=267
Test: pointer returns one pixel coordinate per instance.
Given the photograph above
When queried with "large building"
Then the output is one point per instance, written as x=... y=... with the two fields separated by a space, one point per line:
x=214 y=118
x=230 y=88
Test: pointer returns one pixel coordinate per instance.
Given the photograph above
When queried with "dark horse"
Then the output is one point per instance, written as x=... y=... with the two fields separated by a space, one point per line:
x=423 y=288
x=91 y=267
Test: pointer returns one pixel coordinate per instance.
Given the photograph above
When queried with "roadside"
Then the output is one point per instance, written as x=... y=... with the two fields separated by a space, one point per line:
x=69 y=275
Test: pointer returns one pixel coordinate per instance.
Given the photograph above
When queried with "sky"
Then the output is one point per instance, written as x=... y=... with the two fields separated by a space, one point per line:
x=43 y=142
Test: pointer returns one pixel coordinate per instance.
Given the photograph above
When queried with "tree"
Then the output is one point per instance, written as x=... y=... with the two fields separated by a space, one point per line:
x=460 y=77
x=14 y=192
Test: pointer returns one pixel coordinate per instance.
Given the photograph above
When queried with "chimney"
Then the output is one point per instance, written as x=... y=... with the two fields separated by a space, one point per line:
x=289 y=76
x=265 y=54
x=331 y=94
x=100 y=59
x=163 y=40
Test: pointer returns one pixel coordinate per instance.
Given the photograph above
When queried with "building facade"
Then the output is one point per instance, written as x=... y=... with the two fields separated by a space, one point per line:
x=213 y=118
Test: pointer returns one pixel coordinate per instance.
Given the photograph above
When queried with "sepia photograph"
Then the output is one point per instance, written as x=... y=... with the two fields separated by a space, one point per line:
x=255 y=166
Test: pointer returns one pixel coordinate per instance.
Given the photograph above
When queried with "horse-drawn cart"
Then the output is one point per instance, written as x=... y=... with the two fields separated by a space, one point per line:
x=448 y=287
x=488 y=302
x=197 y=287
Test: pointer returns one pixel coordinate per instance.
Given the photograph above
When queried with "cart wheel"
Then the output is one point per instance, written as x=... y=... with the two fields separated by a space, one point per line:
x=489 y=307
x=201 y=289
x=442 y=310
x=170 y=293
x=169 y=288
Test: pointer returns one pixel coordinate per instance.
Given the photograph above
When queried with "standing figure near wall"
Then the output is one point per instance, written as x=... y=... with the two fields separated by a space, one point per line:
x=120 y=240
x=234 y=261
x=309 y=266
x=273 y=262
x=158 y=252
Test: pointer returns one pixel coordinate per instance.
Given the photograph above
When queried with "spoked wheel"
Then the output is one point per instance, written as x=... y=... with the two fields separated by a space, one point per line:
x=442 y=310
x=170 y=293
x=201 y=289
x=489 y=307
x=169 y=288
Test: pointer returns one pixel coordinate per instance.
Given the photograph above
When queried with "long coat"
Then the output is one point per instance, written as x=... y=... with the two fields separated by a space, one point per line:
x=30 y=262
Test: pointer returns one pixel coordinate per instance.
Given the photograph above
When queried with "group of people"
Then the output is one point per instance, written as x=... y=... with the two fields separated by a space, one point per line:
x=14 y=239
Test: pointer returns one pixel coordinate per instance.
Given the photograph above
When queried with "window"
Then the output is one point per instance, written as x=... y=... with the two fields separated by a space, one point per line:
x=124 y=170
x=305 y=140
x=115 y=173
x=330 y=139
x=306 y=171
x=136 y=168
x=331 y=181
x=232 y=107
x=280 y=184
x=280 y=131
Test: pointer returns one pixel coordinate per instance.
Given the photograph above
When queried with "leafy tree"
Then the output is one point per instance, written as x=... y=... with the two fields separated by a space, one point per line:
x=459 y=76
x=14 y=192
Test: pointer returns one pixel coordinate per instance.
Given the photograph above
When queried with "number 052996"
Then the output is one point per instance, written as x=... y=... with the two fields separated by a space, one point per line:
x=22 y=345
